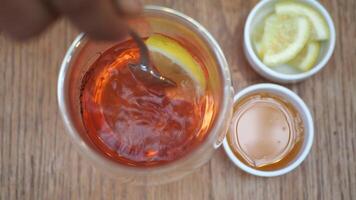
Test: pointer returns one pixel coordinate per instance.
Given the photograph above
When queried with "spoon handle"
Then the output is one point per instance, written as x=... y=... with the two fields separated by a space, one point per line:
x=144 y=54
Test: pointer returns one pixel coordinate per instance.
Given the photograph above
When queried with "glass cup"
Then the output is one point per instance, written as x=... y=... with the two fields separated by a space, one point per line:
x=83 y=52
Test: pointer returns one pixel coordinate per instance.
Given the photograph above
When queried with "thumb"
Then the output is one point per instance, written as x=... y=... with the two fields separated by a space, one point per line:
x=129 y=7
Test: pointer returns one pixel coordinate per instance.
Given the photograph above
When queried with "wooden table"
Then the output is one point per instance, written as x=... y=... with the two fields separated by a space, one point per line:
x=38 y=161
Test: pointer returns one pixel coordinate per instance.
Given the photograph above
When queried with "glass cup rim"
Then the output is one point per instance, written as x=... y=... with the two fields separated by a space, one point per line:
x=225 y=107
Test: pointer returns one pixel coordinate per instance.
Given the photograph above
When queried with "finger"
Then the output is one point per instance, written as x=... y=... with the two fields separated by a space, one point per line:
x=140 y=25
x=23 y=19
x=129 y=7
x=98 y=18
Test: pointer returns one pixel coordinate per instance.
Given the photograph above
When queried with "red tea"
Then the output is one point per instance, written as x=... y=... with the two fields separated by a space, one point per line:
x=136 y=125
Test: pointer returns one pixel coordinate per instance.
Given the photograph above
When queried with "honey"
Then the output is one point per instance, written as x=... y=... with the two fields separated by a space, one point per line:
x=266 y=131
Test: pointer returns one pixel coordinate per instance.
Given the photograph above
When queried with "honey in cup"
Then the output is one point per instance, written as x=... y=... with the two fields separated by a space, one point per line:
x=266 y=131
x=137 y=125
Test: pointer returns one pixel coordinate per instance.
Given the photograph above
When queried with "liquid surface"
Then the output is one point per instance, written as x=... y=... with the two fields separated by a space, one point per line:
x=136 y=125
x=266 y=131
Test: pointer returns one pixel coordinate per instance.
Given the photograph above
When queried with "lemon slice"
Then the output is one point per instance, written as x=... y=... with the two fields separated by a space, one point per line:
x=259 y=49
x=171 y=58
x=307 y=57
x=320 y=28
x=257 y=36
x=284 y=37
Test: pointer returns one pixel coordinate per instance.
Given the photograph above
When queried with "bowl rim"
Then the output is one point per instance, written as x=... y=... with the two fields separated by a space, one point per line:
x=274 y=75
x=308 y=122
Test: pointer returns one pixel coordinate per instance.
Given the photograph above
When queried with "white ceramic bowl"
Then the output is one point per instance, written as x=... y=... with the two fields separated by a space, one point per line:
x=299 y=104
x=258 y=13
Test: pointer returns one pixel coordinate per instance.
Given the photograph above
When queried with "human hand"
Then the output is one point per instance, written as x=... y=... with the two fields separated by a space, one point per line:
x=100 y=19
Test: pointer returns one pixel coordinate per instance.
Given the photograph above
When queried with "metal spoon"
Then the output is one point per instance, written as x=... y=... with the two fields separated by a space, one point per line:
x=143 y=71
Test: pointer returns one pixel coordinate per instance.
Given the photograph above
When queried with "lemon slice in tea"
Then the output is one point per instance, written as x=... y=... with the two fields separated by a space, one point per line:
x=284 y=37
x=307 y=57
x=320 y=29
x=171 y=58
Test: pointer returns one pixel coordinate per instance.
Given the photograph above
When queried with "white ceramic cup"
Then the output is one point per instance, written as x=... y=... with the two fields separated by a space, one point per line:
x=258 y=13
x=305 y=114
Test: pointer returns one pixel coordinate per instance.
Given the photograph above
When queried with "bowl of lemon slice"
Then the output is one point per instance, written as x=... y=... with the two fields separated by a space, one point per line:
x=289 y=41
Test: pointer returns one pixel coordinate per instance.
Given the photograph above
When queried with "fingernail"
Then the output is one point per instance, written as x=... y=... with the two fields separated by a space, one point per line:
x=130 y=7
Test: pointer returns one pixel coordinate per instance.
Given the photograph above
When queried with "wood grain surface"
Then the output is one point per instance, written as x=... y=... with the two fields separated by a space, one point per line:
x=38 y=160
